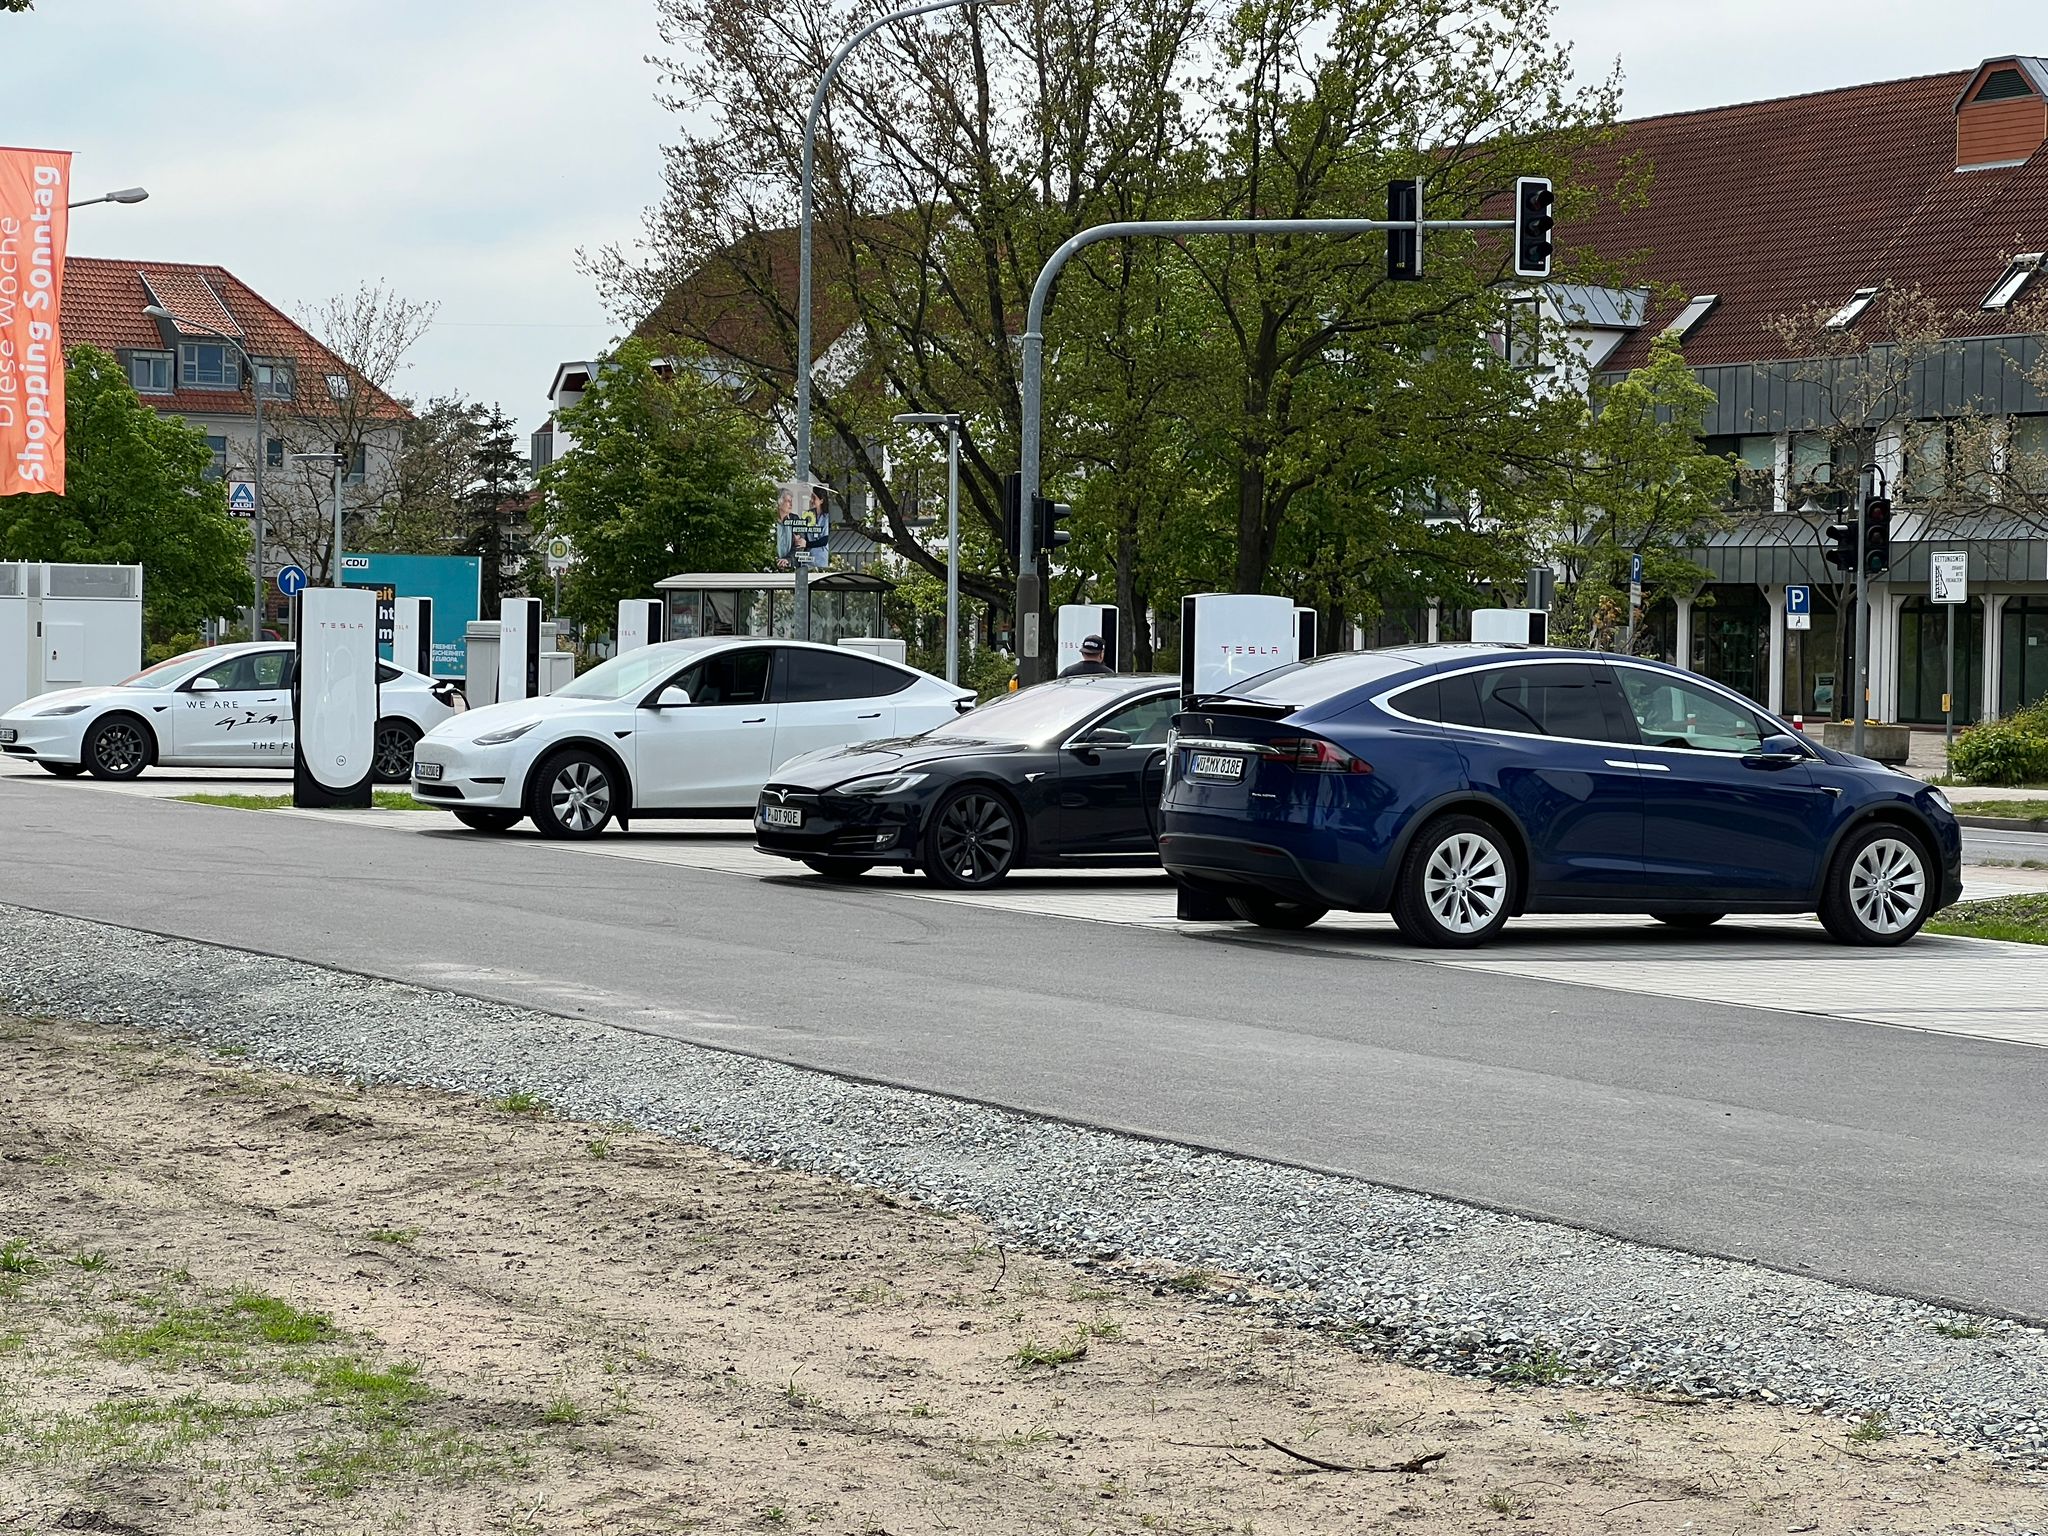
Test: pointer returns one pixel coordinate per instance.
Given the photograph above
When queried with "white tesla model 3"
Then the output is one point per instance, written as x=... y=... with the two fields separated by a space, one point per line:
x=685 y=728
x=228 y=706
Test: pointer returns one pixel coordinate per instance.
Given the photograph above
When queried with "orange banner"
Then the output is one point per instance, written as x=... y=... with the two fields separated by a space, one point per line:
x=34 y=187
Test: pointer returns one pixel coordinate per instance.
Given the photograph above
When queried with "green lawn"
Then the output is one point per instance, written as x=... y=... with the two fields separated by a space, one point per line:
x=2022 y=810
x=2023 y=919
x=382 y=799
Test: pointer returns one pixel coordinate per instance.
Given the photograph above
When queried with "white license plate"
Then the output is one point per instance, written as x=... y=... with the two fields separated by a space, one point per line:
x=781 y=816
x=426 y=772
x=7 y=737
x=1217 y=765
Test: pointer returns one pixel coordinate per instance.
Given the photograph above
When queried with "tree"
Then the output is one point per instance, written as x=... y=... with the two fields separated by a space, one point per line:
x=136 y=493
x=498 y=529
x=667 y=473
x=428 y=508
x=1645 y=488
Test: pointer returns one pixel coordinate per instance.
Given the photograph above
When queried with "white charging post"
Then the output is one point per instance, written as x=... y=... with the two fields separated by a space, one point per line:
x=1307 y=630
x=518 y=649
x=412 y=634
x=640 y=623
x=1226 y=637
x=334 y=711
x=1075 y=622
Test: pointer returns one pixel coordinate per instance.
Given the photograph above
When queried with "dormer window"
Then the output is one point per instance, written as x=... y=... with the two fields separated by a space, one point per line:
x=1689 y=317
x=2013 y=283
x=1852 y=311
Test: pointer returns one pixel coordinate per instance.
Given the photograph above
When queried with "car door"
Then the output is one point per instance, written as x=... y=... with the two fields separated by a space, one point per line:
x=832 y=699
x=714 y=752
x=1551 y=741
x=236 y=713
x=1109 y=793
x=1721 y=819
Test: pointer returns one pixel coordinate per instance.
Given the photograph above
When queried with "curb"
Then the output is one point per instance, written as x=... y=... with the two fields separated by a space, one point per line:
x=2005 y=823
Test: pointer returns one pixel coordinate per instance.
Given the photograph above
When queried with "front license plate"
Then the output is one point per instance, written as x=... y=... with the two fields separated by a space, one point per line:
x=781 y=816
x=1216 y=765
x=426 y=772
x=7 y=737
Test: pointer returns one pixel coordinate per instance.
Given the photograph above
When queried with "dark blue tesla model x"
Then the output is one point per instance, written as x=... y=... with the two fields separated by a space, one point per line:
x=1460 y=785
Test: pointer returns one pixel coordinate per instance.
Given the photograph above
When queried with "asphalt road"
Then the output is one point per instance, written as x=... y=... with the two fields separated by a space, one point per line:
x=1982 y=844
x=1888 y=1158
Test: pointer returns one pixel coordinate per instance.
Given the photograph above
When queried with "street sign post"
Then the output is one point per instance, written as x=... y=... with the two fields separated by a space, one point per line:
x=291 y=581
x=242 y=498
x=1949 y=578
x=561 y=555
x=1799 y=607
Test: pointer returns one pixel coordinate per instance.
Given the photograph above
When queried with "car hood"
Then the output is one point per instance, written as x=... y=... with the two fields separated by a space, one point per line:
x=481 y=721
x=105 y=694
x=836 y=765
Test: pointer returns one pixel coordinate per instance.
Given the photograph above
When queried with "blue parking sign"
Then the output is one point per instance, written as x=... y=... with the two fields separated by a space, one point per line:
x=1799 y=599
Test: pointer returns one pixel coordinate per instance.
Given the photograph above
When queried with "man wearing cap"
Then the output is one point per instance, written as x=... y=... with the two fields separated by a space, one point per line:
x=1091 y=661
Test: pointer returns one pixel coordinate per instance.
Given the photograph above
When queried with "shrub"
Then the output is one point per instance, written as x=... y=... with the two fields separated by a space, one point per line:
x=2012 y=751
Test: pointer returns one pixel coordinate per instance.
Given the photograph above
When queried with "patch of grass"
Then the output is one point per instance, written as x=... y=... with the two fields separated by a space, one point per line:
x=920 y=1410
x=1960 y=1328
x=401 y=1237
x=376 y=1397
x=1540 y=1368
x=1104 y=1328
x=344 y=1464
x=12 y=1342
x=600 y=1148
x=17 y=1258
x=1505 y=1501
x=1572 y=1422
x=382 y=799
x=91 y=1263
x=398 y=800
x=2017 y=810
x=1031 y=1352
x=561 y=1411
x=775 y=1514
x=1874 y=1426
x=1191 y=1282
x=2020 y=919
x=213 y=1332
x=520 y=1102
x=144 y=1431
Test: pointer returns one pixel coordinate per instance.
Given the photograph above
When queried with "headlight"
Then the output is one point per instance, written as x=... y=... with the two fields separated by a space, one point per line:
x=881 y=784
x=62 y=709
x=1940 y=799
x=509 y=733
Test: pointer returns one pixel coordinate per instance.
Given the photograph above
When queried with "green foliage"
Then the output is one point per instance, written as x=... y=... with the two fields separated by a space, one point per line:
x=2011 y=751
x=2017 y=919
x=667 y=474
x=135 y=493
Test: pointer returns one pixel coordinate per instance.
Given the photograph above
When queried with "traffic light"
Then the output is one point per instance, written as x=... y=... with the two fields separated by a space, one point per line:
x=1535 y=203
x=1841 y=551
x=1013 y=516
x=1404 y=247
x=1877 y=536
x=1046 y=517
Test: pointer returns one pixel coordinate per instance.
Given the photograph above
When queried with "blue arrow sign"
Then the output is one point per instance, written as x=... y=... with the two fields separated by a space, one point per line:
x=291 y=581
x=1799 y=599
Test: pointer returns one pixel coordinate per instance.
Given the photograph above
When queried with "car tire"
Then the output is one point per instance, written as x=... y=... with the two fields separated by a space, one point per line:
x=837 y=869
x=392 y=749
x=118 y=747
x=1456 y=884
x=973 y=839
x=488 y=820
x=1689 y=922
x=1880 y=888
x=62 y=770
x=574 y=794
x=1272 y=912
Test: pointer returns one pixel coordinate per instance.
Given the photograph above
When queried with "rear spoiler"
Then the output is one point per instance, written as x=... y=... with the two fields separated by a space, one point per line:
x=1236 y=704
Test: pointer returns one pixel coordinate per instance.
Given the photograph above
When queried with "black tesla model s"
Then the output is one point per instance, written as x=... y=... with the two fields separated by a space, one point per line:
x=1069 y=771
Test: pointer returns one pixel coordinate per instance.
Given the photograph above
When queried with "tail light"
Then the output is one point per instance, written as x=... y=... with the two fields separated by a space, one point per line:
x=1312 y=754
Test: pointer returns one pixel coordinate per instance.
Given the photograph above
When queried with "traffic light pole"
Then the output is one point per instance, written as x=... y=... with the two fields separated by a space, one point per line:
x=1030 y=583
x=1861 y=700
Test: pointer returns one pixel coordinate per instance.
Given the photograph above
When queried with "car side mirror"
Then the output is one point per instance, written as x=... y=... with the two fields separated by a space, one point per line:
x=203 y=685
x=674 y=696
x=1104 y=738
x=1778 y=751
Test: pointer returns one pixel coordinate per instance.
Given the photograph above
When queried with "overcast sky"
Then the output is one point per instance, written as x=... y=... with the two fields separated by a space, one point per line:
x=461 y=150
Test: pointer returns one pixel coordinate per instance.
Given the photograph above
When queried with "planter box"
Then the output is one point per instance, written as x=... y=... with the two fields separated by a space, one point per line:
x=1889 y=744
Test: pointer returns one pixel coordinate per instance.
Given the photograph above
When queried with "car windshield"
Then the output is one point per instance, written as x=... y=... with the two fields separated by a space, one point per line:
x=1035 y=714
x=1302 y=683
x=166 y=674
x=627 y=674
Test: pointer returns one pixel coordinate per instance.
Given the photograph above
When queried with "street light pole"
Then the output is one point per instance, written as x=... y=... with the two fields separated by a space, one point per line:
x=951 y=422
x=803 y=265
x=157 y=311
x=125 y=195
x=339 y=462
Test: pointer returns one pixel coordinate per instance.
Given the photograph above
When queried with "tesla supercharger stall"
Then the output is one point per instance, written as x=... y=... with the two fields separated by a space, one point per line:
x=412 y=634
x=640 y=623
x=519 y=649
x=1076 y=622
x=1511 y=626
x=1306 y=626
x=334 y=708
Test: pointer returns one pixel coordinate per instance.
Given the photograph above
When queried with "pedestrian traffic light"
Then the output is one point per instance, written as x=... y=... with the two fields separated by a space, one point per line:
x=1013 y=516
x=1404 y=246
x=1046 y=517
x=1841 y=551
x=1534 y=220
x=1877 y=536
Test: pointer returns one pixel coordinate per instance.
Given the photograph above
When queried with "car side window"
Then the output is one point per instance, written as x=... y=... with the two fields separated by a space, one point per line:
x=1671 y=713
x=268 y=669
x=730 y=677
x=232 y=673
x=1545 y=699
x=1145 y=722
x=809 y=677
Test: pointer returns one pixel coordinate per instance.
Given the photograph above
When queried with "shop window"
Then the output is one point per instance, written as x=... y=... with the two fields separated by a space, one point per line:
x=1923 y=632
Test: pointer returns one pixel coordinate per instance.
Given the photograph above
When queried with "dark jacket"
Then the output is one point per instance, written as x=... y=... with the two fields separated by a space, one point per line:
x=1086 y=668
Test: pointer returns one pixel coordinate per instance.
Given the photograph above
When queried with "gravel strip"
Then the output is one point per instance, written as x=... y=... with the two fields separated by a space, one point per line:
x=1409 y=1277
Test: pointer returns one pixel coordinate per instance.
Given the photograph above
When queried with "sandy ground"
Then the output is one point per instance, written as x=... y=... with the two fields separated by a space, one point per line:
x=235 y=1301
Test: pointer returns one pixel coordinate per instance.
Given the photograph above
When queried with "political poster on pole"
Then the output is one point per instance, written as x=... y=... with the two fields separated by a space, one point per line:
x=803 y=526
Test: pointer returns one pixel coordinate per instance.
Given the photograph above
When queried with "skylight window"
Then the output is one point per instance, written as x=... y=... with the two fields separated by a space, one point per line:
x=1689 y=317
x=2017 y=276
x=1852 y=311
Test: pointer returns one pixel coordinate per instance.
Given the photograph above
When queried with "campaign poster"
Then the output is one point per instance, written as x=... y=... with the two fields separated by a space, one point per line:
x=454 y=582
x=803 y=526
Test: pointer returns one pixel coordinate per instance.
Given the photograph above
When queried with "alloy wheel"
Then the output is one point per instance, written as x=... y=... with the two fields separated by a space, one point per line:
x=393 y=757
x=976 y=839
x=1887 y=885
x=580 y=796
x=119 y=748
x=1465 y=883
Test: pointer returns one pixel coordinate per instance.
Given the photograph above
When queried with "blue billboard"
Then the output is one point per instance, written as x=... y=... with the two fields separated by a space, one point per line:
x=454 y=582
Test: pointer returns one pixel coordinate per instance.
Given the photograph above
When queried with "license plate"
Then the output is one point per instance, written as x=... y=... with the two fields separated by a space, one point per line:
x=781 y=816
x=427 y=772
x=1216 y=765
x=7 y=737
